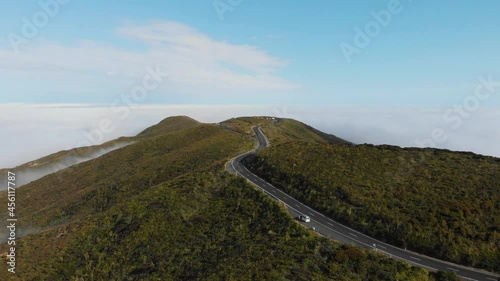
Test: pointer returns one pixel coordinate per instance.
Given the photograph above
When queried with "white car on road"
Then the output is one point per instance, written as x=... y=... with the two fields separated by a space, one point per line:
x=304 y=218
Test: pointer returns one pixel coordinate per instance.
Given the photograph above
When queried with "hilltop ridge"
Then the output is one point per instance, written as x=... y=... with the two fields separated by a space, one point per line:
x=169 y=125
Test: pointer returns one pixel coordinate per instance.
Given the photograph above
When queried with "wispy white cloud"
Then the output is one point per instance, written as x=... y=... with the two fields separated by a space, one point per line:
x=198 y=64
x=181 y=41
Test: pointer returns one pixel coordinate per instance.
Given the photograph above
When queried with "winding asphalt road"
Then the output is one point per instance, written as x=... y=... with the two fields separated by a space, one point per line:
x=331 y=229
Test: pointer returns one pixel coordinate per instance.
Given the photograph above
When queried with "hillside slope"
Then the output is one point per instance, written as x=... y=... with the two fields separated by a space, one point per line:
x=52 y=163
x=55 y=162
x=163 y=208
x=441 y=203
x=170 y=125
x=96 y=185
x=280 y=130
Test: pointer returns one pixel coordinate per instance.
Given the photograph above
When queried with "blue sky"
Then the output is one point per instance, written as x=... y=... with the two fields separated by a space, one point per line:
x=410 y=68
x=430 y=53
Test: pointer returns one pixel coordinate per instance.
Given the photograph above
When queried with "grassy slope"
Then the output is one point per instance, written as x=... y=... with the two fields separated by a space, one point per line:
x=95 y=185
x=442 y=203
x=81 y=152
x=164 y=209
x=207 y=226
x=280 y=130
x=170 y=125
x=52 y=163
x=66 y=158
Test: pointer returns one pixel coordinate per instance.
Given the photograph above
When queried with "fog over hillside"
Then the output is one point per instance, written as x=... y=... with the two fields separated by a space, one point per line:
x=36 y=170
x=33 y=131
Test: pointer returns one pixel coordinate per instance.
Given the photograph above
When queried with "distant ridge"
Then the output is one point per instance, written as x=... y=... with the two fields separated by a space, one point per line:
x=280 y=130
x=328 y=137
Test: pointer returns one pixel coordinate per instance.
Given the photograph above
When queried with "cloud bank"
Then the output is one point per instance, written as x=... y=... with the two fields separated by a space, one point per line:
x=37 y=130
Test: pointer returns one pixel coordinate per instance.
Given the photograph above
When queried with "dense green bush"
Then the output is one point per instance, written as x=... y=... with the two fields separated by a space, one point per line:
x=440 y=203
x=206 y=226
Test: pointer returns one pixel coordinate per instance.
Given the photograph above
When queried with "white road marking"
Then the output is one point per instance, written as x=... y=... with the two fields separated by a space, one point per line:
x=353 y=234
x=456 y=270
x=380 y=246
x=415 y=258
x=330 y=224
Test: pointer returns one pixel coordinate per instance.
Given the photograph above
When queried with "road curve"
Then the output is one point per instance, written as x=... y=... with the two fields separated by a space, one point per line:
x=331 y=229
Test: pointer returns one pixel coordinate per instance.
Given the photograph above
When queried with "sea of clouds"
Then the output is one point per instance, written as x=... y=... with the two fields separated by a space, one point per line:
x=33 y=131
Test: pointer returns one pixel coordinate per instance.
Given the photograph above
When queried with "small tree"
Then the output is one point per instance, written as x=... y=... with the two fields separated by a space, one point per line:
x=446 y=276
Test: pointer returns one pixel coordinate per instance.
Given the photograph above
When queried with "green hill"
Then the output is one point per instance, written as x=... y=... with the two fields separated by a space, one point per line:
x=52 y=163
x=441 y=203
x=280 y=130
x=170 y=125
x=164 y=208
